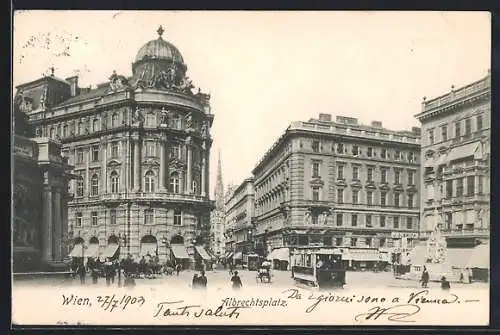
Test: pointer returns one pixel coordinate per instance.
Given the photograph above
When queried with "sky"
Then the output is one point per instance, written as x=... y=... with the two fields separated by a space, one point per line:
x=267 y=69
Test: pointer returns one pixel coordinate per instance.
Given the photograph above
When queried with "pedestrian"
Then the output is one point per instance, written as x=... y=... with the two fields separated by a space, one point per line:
x=425 y=277
x=236 y=280
x=129 y=280
x=82 y=273
x=202 y=280
x=195 y=282
x=108 y=271
x=178 y=269
x=230 y=268
x=445 y=284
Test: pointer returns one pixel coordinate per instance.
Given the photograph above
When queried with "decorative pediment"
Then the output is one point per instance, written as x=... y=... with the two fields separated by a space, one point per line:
x=177 y=164
x=341 y=182
x=385 y=187
x=151 y=162
x=370 y=185
x=398 y=188
x=317 y=182
x=356 y=184
x=411 y=189
x=114 y=163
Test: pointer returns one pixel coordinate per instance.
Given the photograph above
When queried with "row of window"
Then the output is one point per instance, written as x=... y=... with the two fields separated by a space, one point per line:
x=340 y=241
x=458 y=129
x=459 y=188
x=148 y=217
x=369 y=221
x=150 y=147
x=94 y=125
x=384 y=153
x=316 y=166
x=150 y=183
x=370 y=201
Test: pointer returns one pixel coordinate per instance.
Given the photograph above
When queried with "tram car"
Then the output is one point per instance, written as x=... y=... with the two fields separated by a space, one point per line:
x=320 y=269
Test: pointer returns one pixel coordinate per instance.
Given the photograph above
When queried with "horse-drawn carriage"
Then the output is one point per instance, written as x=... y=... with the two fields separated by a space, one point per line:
x=321 y=268
x=264 y=272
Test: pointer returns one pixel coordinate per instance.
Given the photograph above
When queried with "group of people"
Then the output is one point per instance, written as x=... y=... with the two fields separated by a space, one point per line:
x=128 y=268
x=445 y=283
x=200 y=281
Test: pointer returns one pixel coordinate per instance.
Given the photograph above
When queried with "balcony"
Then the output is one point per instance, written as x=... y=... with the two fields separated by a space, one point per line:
x=451 y=233
x=153 y=196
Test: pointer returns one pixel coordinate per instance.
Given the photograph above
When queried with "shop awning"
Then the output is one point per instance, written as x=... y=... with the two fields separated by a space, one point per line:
x=229 y=254
x=148 y=249
x=203 y=253
x=471 y=149
x=76 y=251
x=109 y=250
x=480 y=257
x=365 y=255
x=238 y=255
x=179 y=251
x=282 y=254
x=92 y=250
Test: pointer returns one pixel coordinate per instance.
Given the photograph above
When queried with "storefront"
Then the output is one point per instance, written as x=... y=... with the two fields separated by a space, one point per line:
x=180 y=255
x=280 y=258
x=202 y=259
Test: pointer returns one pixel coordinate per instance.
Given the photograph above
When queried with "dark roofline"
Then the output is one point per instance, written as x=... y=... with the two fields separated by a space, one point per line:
x=36 y=81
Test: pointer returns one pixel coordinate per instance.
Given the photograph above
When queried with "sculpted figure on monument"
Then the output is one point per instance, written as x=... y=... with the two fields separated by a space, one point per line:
x=117 y=81
x=163 y=116
x=137 y=117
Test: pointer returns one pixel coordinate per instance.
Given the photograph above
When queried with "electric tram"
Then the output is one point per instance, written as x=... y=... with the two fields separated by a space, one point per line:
x=320 y=268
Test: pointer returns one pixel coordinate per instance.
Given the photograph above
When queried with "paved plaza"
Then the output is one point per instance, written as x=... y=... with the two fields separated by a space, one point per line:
x=220 y=279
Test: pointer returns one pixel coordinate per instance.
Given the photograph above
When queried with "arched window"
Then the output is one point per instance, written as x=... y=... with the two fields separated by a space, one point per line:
x=114 y=182
x=95 y=125
x=52 y=132
x=79 y=187
x=114 y=120
x=149 y=181
x=65 y=130
x=174 y=182
x=94 y=185
x=150 y=119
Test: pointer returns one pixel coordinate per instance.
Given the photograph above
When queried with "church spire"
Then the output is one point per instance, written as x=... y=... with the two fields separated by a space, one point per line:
x=219 y=186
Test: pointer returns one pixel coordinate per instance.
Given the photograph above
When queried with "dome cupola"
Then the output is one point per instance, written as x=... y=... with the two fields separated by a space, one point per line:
x=159 y=49
x=159 y=64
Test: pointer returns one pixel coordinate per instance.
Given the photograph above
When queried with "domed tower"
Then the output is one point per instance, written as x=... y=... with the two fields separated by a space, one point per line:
x=159 y=64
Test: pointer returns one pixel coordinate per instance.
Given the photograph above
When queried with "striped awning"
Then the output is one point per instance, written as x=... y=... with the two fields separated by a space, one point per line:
x=203 y=253
x=229 y=254
x=179 y=251
x=110 y=250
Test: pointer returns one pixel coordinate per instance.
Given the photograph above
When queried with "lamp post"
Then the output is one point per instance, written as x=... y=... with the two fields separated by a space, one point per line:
x=164 y=242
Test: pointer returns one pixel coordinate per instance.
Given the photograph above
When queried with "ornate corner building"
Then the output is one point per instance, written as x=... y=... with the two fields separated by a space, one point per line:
x=140 y=148
x=455 y=176
x=340 y=184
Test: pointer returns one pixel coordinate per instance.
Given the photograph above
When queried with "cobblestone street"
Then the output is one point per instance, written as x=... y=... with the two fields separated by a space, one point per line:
x=220 y=279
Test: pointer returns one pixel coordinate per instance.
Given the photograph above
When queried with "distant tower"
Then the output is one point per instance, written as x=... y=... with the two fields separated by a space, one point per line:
x=219 y=186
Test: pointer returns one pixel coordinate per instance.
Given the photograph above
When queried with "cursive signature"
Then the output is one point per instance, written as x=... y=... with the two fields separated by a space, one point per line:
x=398 y=313
x=178 y=308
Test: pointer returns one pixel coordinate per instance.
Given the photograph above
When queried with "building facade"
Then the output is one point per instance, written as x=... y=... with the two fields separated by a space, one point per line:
x=40 y=198
x=340 y=184
x=239 y=224
x=140 y=147
x=455 y=175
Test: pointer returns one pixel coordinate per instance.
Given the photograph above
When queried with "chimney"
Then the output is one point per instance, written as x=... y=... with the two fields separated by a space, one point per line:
x=347 y=120
x=73 y=84
x=325 y=117
x=376 y=124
